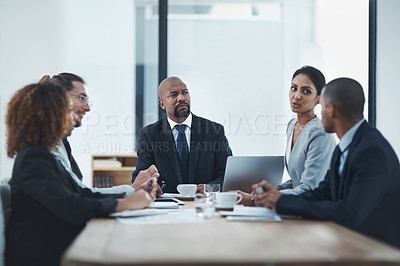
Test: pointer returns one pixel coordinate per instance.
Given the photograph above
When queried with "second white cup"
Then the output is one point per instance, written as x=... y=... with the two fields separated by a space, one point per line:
x=227 y=199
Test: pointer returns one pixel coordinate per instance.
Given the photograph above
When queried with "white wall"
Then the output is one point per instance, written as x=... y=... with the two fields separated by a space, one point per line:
x=388 y=69
x=24 y=57
x=92 y=38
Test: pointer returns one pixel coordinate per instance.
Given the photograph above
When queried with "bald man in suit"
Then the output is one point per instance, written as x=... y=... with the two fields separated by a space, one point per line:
x=184 y=147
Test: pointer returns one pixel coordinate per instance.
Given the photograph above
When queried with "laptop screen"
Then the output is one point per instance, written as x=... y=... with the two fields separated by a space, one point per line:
x=243 y=171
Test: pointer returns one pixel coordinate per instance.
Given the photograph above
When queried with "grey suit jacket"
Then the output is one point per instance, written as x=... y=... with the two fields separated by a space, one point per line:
x=310 y=157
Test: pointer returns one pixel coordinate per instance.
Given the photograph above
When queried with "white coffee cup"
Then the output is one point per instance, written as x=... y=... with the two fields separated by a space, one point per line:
x=187 y=190
x=227 y=199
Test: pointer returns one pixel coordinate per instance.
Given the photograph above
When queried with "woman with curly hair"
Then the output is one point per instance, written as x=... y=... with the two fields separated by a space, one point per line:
x=48 y=208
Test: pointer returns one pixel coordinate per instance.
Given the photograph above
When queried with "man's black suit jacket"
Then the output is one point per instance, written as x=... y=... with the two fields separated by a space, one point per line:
x=367 y=196
x=209 y=150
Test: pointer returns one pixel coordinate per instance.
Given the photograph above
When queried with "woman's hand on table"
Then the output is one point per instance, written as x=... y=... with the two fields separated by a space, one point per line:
x=141 y=199
x=138 y=200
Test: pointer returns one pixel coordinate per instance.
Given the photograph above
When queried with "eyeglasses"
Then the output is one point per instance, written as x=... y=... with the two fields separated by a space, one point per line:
x=84 y=100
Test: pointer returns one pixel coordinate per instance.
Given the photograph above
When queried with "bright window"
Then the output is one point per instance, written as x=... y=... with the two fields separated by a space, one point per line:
x=237 y=58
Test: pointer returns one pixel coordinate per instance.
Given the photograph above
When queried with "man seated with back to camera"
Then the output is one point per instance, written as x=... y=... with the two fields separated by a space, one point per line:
x=165 y=143
x=361 y=188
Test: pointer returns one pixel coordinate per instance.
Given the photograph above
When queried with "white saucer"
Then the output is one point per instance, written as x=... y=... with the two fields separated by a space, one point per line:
x=181 y=197
x=224 y=207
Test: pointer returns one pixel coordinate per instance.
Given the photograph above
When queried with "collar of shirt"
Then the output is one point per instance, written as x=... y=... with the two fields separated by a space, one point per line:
x=187 y=122
x=344 y=144
x=62 y=153
x=348 y=136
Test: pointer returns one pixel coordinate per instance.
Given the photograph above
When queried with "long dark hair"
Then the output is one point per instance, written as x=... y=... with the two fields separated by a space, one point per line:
x=314 y=74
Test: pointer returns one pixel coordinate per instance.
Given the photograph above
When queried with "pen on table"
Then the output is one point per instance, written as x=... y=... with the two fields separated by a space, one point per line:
x=163 y=185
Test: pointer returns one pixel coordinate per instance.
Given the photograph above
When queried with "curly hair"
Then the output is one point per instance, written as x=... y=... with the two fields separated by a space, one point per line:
x=38 y=115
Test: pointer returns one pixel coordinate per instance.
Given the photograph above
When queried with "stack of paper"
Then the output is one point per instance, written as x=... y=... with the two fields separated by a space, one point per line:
x=164 y=205
x=169 y=199
x=176 y=216
x=155 y=208
x=136 y=213
x=256 y=214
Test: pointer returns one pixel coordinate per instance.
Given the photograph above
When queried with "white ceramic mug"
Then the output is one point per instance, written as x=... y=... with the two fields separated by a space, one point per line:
x=187 y=190
x=227 y=199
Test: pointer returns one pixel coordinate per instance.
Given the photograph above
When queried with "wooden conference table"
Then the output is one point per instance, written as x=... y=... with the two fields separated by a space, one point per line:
x=217 y=241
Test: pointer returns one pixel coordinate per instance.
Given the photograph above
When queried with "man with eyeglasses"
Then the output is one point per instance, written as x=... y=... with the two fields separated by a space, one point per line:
x=75 y=86
x=81 y=105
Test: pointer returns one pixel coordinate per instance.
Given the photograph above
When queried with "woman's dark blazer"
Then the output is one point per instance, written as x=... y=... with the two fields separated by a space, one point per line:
x=48 y=209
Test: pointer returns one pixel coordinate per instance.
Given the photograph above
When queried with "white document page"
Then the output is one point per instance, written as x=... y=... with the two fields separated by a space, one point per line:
x=243 y=213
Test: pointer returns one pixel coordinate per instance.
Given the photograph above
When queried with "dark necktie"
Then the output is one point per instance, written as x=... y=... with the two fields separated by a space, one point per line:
x=336 y=163
x=183 y=152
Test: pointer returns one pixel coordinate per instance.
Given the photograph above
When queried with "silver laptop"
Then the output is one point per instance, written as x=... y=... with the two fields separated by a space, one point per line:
x=243 y=171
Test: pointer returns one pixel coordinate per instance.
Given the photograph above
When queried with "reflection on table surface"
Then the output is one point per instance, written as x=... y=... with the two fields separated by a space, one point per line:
x=217 y=241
